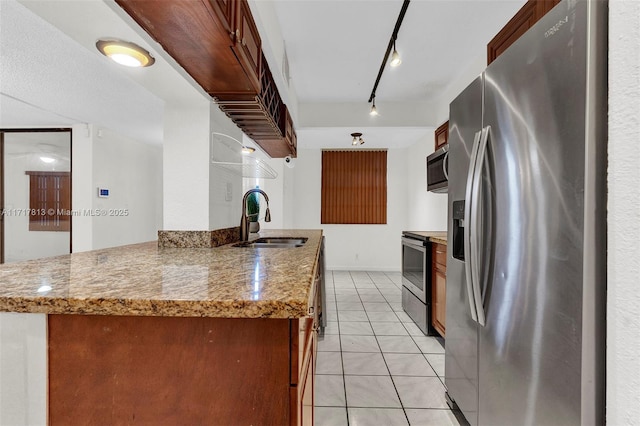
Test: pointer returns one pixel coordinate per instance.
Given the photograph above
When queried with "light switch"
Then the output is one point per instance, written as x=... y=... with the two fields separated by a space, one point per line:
x=229 y=194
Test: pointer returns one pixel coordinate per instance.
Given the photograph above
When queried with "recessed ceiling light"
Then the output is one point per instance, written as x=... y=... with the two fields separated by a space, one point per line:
x=125 y=53
x=248 y=150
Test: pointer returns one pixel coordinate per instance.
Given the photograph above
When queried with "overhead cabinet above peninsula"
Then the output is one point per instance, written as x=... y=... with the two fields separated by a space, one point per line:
x=218 y=44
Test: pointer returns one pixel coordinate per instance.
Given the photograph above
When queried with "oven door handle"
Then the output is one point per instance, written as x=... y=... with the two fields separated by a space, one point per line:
x=413 y=243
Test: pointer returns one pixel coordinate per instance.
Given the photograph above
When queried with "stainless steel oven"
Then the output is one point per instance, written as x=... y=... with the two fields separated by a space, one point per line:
x=416 y=297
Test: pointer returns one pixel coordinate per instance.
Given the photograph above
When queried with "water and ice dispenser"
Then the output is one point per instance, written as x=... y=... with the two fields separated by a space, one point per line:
x=458 y=230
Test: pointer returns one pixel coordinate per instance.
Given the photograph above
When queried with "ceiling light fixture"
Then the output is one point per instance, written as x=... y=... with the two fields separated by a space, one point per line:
x=357 y=139
x=374 y=110
x=248 y=150
x=47 y=160
x=125 y=53
x=395 y=56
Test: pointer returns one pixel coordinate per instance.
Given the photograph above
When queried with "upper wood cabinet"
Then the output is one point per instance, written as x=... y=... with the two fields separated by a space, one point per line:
x=524 y=19
x=248 y=45
x=442 y=135
x=225 y=10
x=216 y=42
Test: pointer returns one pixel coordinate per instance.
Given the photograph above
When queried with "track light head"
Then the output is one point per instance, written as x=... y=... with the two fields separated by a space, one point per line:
x=395 y=57
x=374 y=110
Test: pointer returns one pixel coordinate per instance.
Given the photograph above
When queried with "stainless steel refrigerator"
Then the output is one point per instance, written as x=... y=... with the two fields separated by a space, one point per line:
x=526 y=281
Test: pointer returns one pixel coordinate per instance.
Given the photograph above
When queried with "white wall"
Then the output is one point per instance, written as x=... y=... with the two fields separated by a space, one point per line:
x=623 y=299
x=82 y=191
x=354 y=247
x=225 y=211
x=132 y=171
x=23 y=369
x=186 y=167
x=427 y=211
x=22 y=153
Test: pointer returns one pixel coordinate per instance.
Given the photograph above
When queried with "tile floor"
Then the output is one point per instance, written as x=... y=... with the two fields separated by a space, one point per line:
x=375 y=367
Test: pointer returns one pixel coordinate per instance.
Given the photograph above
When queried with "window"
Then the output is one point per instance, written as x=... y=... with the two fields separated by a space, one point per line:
x=49 y=201
x=354 y=187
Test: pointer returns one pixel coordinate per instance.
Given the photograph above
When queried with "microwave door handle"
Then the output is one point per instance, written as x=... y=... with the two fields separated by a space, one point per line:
x=478 y=234
x=468 y=228
x=445 y=166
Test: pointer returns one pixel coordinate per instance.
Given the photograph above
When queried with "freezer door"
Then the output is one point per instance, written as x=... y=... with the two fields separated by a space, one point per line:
x=531 y=349
x=461 y=353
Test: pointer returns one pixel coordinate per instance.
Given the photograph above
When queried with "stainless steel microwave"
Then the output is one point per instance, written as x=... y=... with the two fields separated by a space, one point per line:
x=437 y=170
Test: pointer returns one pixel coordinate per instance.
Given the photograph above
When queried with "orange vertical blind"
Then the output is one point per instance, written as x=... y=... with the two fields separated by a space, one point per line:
x=354 y=187
x=49 y=201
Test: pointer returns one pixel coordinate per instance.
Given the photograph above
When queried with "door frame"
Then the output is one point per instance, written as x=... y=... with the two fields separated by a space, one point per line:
x=27 y=130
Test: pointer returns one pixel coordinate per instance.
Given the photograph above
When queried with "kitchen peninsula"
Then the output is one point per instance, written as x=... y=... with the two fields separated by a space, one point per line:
x=143 y=334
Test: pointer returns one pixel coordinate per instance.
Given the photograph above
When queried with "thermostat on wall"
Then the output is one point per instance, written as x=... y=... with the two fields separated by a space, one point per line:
x=103 y=193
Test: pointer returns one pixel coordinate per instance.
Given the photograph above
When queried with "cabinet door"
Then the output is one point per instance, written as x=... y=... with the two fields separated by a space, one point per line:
x=438 y=287
x=524 y=19
x=307 y=393
x=439 y=300
x=442 y=135
x=225 y=10
x=248 y=47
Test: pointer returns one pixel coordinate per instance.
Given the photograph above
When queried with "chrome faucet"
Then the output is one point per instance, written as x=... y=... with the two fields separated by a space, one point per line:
x=244 y=222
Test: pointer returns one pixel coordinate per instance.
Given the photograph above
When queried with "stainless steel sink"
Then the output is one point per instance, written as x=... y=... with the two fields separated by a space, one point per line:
x=274 y=242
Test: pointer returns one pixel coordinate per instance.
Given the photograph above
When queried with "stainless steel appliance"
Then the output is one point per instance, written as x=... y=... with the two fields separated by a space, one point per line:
x=416 y=295
x=526 y=260
x=437 y=175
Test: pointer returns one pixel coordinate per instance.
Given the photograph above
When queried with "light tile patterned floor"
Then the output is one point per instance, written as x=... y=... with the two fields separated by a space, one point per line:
x=375 y=367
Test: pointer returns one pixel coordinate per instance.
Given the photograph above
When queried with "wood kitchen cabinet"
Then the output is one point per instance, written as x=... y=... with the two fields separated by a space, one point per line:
x=181 y=370
x=442 y=135
x=218 y=44
x=215 y=41
x=524 y=19
x=439 y=287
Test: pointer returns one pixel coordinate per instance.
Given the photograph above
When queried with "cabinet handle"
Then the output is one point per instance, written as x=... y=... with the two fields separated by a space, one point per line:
x=237 y=33
x=244 y=42
x=440 y=252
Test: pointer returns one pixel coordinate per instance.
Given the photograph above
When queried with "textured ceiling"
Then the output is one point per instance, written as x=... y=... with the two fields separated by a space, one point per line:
x=52 y=74
x=335 y=48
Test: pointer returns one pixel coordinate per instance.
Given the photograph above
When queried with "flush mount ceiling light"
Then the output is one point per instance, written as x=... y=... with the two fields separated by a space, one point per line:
x=47 y=160
x=248 y=150
x=395 y=56
x=125 y=53
x=357 y=139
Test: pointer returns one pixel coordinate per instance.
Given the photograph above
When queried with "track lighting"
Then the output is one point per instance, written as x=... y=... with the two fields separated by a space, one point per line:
x=394 y=61
x=395 y=56
x=374 y=110
x=357 y=139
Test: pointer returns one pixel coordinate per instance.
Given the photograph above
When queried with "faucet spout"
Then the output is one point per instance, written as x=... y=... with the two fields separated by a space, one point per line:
x=244 y=221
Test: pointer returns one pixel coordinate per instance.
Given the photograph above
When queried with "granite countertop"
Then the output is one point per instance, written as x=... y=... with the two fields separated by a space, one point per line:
x=146 y=280
x=439 y=237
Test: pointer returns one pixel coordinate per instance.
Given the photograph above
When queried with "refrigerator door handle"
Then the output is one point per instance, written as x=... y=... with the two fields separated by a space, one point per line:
x=445 y=166
x=468 y=267
x=478 y=233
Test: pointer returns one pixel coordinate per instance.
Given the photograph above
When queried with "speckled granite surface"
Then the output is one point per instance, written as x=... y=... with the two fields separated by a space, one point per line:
x=439 y=240
x=147 y=280
x=198 y=239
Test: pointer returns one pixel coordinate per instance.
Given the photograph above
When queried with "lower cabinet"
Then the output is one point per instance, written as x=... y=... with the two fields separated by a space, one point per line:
x=439 y=287
x=180 y=370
